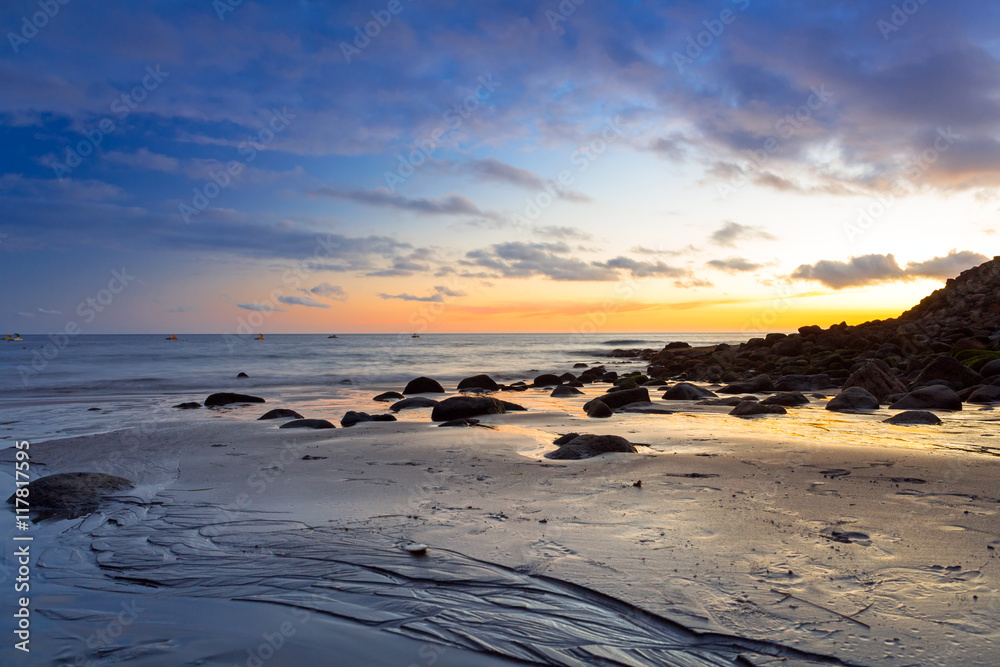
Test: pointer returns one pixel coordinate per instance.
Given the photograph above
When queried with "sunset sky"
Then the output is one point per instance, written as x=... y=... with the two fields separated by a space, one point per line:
x=398 y=165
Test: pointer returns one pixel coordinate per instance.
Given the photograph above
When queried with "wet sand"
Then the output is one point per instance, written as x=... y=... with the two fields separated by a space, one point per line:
x=809 y=538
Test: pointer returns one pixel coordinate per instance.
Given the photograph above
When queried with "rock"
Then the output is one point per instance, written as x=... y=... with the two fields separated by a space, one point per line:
x=787 y=399
x=934 y=397
x=580 y=365
x=617 y=399
x=423 y=385
x=677 y=345
x=750 y=408
x=950 y=370
x=513 y=407
x=731 y=402
x=347 y=381
x=412 y=403
x=308 y=423
x=481 y=381
x=757 y=385
x=564 y=391
x=547 y=380
x=458 y=407
x=226 y=398
x=990 y=369
x=788 y=347
x=76 y=492
x=242 y=375
x=646 y=409
x=853 y=399
x=596 y=409
x=804 y=382
x=588 y=445
x=567 y=377
x=389 y=396
x=188 y=406
x=563 y=439
x=351 y=418
x=986 y=394
x=685 y=391
x=460 y=422
x=280 y=413
x=877 y=379
x=913 y=417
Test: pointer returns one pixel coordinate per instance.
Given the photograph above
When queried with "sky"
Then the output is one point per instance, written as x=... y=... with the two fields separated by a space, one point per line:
x=429 y=166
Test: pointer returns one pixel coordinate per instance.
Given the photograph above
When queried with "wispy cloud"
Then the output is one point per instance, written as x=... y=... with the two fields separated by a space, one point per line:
x=307 y=301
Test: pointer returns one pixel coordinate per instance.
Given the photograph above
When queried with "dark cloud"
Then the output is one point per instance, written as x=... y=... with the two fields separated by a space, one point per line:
x=260 y=307
x=948 y=266
x=733 y=265
x=333 y=292
x=524 y=260
x=302 y=301
x=645 y=269
x=730 y=232
x=870 y=269
x=449 y=205
x=434 y=298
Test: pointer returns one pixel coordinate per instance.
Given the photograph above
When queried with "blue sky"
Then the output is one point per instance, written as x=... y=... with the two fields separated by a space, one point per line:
x=445 y=166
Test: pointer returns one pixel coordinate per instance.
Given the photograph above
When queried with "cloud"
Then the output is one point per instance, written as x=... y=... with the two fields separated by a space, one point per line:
x=560 y=232
x=446 y=291
x=307 y=301
x=185 y=309
x=948 y=266
x=733 y=265
x=260 y=307
x=693 y=283
x=143 y=158
x=492 y=169
x=46 y=311
x=434 y=298
x=517 y=259
x=452 y=204
x=645 y=269
x=334 y=292
x=870 y=269
x=730 y=232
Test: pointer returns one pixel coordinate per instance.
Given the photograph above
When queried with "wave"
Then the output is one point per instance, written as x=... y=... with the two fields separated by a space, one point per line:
x=629 y=341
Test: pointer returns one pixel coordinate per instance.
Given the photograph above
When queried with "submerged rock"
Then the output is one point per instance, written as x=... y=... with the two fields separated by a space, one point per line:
x=588 y=445
x=913 y=417
x=308 y=423
x=423 y=385
x=458 y=407
x=72 y=490
x=188 y=406
x=280 y=413
x=934 y=397
x=853 y=399
x=411 y=403
x=227 y=398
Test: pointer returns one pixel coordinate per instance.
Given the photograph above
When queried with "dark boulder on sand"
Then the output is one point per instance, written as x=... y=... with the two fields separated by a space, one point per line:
x=481 y=381
x=913 y=417
x=685 y=391
x=950 y=370
x=565 y=391
x=280 y=413
x=351 y=418
x=412 y=403
x=787 y=399
x=588 y=445
x=389 y=396
x=72 y=490
x=853 y=399
x=804 y=382
x=986 y=394
x=934 y=397
x=750 y=408
x=990 y=369
x=563 y=439
x=756 y=385
x=547 y=380
x=308 y=423
x=423 y=385
x=226 y=398
x=616 y=399
x=877 y=379
x=597 y=409
x=242 y=375
x=188 y=406
x=459 y=407
x=513 y=407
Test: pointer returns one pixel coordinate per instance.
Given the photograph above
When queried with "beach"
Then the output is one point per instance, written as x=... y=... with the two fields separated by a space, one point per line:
x=813 y=537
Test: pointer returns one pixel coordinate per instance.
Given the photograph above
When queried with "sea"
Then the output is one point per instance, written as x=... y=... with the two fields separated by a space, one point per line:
x=51 y=387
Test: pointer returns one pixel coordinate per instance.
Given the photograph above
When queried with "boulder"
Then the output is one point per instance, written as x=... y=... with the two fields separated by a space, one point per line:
x=730 y=402
x=986 y=394
x=242 y=375
x=750 y=408
x=280 y=413
x=597 y=409
x=460 y=422
x=950 y=370
x=389 y=396
x=787 y=399
x=804 y=382
x=756 y=385
x=913 y=417
x=565 y=391
x=481 y=381
x=412 y=403
x=853 y=399
x=588 y=445
x=788 y=347
x=459 y=407
x=934 y=397
x=77 y=492
x=351 y=418
x=513 y=407
x=617 y=399
x=423 y=385
x=990 y=369
x=188 y=406
x=875 y=377
x=685 y=391
x=580 y=365
x=547 y=380
x=563 y=439
x=308 y=423
x=226 y=398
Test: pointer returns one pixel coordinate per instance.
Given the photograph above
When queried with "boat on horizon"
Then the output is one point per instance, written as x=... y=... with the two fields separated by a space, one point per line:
x=415 y=336
x=260 y=337
x=333 y=336
x=173 y=337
